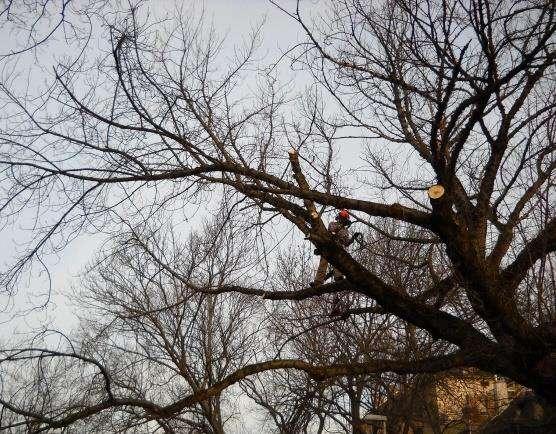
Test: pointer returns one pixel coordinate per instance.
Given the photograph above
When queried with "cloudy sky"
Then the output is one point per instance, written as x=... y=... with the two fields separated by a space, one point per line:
x=49 y=286
x=32 y=71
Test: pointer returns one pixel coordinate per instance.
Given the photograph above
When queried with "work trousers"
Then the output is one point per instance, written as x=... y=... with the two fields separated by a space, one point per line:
x=322 y=271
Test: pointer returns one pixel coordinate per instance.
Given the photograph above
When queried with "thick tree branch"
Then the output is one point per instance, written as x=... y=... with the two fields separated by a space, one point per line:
x=543 y=244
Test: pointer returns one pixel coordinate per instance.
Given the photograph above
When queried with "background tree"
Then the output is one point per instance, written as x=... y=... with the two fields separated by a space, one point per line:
x=152 y=337
x=354 y=331
x=452 y=93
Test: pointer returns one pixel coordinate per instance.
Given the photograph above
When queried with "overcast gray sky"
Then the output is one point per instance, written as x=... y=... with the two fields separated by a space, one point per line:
x=233 y=18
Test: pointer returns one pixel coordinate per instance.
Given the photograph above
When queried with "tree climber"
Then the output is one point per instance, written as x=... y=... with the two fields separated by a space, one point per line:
x=339 y=229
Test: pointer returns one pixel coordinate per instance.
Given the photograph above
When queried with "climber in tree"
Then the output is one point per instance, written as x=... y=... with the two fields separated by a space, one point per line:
x=339 y=229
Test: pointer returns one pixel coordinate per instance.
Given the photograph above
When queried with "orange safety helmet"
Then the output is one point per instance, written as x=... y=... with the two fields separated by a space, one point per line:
x=343 y=214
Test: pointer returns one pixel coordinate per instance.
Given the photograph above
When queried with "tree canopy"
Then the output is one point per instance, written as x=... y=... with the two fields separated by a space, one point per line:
x=406 y=94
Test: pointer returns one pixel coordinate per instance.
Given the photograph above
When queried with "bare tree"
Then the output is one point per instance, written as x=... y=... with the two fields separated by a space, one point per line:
x=353 y=329
x=291 y=401
x=152 y=337
x=458 y=94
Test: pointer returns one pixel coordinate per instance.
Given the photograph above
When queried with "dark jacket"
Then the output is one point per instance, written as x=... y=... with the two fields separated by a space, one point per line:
x=340 y=232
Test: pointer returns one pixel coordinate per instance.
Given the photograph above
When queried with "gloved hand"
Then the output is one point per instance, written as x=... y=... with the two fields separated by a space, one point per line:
x=316 y=252
x=358 y=236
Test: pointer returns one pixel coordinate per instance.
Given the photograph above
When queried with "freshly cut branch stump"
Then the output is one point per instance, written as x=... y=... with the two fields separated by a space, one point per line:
x=436 y=191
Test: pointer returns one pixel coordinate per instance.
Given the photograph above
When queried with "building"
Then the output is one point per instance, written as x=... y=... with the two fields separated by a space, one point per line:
x=455 y=404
